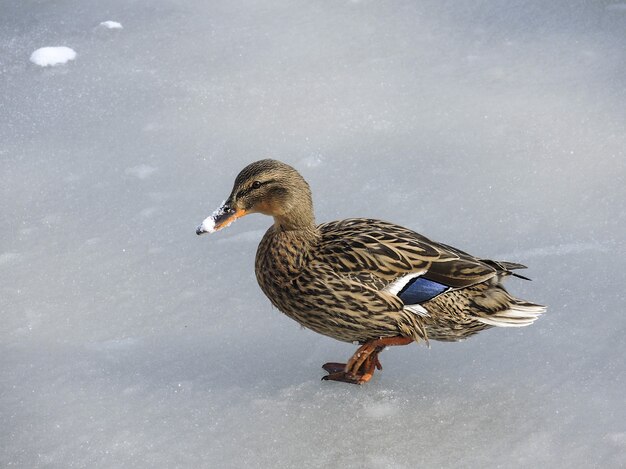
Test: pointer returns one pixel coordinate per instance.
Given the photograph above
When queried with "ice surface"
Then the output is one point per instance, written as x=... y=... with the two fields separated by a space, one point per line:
x=142 y=171
x=50 y=56
x=617 y=7
x=127 y=341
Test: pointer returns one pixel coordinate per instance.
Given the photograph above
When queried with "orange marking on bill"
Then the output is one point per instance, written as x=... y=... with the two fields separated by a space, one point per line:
x=227 y=221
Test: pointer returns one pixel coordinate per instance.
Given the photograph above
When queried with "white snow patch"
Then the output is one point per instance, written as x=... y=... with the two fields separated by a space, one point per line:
x=50 y=56
x=142 y=171
x=111 y=24
x=207 y=225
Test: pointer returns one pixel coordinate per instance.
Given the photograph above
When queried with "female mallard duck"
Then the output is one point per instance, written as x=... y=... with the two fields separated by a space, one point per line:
x=362 y=280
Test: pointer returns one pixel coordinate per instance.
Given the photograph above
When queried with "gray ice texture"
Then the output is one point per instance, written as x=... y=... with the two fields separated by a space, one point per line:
x=126 y=341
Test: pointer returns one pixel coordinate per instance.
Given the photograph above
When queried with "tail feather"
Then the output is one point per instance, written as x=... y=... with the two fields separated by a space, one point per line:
x=494 y=306
x=511 y=265
x=506 y=268
x=518 y=314
x=520 y=276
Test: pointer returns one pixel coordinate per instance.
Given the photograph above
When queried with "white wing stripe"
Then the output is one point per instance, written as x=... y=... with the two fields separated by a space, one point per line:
x=397 y=285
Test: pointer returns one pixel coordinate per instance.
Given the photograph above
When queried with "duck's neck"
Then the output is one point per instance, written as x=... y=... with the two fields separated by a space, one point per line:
x=300 y=218
x=294 y=215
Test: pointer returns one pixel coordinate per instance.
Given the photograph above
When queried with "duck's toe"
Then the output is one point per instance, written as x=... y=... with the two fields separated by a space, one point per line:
x=333 y=367
x=344 y=377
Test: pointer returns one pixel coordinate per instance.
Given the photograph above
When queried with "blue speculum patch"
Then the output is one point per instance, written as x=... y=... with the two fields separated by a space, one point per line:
x=419 y=290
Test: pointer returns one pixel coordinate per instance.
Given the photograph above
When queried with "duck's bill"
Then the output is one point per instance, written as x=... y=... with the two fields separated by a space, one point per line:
x=219 y=219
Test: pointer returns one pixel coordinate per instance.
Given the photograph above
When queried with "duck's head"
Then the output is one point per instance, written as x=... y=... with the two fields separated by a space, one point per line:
x=269 y=187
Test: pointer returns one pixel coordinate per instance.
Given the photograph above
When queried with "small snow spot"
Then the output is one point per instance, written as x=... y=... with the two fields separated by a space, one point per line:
x=111 y=24
x=143 y=171
x=50 y=56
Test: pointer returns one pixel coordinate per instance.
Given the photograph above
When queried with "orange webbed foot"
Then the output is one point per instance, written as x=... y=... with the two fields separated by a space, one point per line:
x=359 y=369
x=361 y=366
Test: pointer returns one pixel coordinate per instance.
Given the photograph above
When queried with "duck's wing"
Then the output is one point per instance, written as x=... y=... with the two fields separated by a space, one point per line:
x=385 y=255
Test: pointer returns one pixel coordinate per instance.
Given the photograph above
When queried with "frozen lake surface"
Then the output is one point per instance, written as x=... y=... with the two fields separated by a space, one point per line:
x=128 y=342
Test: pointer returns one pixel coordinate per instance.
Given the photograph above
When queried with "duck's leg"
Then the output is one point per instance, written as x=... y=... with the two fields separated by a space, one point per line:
x=361 y=366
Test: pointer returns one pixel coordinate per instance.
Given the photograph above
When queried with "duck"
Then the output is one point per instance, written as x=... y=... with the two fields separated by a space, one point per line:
x=365 y=281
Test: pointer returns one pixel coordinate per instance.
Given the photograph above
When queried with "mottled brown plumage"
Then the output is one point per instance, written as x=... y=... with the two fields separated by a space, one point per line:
x=352 y=279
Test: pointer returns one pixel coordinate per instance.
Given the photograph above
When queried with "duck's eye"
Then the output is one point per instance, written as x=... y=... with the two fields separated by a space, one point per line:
x=256 y=184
